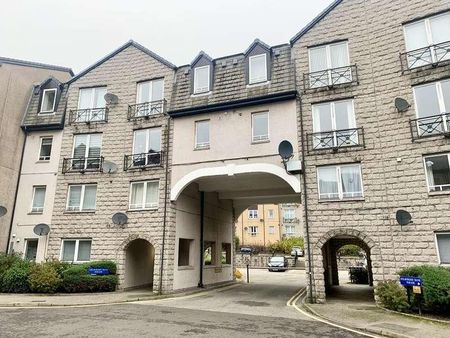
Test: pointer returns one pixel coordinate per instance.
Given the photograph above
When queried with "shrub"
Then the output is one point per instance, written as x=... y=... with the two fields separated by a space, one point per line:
x=6 y=262
x=286 y=244
x=82 y=269
x=436 y=286
x=15 y=279
x=349 y=250
x=58 y=266
x=88 y=283
x=44 y=278
x=392 y=295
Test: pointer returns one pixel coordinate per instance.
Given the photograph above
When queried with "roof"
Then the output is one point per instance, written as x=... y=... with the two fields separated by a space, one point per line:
x=24 y=63
x=117 y=51
x=315 y=21
x=201 y=55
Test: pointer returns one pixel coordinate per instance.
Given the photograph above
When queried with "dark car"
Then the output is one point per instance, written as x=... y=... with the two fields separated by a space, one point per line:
x=277 y=263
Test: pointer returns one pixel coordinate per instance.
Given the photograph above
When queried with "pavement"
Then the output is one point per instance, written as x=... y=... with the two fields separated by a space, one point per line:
x=353 y=306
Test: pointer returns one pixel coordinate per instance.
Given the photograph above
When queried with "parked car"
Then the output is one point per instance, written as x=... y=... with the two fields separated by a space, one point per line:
x=246 y=249
x=277 y=263
x=297 y=251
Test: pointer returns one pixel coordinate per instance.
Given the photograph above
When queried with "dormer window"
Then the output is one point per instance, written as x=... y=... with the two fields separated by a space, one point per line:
x=201 y=79
x=48 y=101
x=257 y=68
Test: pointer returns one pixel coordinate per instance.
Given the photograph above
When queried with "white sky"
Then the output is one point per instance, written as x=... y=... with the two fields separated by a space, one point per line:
x=77 y=33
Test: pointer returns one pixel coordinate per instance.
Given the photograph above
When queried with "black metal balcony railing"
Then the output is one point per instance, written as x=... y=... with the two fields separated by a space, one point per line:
x=143 y=161
x=290 y=220
x=433 y=55
x=88 y=115
x=146 y=109
x=82 y=164
x=331 y=77
x=430 y=126
x=345 y=138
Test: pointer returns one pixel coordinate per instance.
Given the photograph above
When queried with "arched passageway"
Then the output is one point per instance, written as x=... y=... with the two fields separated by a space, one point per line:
x=139 y=264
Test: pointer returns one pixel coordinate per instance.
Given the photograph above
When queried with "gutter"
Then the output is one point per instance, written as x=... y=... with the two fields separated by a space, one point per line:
x=166 y=187
x=290 y=95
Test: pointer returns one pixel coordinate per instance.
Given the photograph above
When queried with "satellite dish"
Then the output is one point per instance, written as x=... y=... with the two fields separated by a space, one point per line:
x=3 y=211
x=403 y=217
x=41 y=229
x=120 y=218
x=401 y=104
x=109 y=167
x=111 y=98
x=285 y=150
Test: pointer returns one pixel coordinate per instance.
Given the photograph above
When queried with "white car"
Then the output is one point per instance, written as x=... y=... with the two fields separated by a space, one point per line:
x=297 y=251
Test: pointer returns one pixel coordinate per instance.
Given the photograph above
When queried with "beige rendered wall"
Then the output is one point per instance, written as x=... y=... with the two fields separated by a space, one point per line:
x=35 y=173
x=218 y=228
x=15 y=89
x=263 y=237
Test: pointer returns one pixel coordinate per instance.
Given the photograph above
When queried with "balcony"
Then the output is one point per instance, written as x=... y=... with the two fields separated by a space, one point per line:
x=82 y=164
x=88 y=115
x=331 y=78
x=146 y=109
x=434 y=56
x=335 y=140
x=290 y=220
x=143 y=161
x=430 y=126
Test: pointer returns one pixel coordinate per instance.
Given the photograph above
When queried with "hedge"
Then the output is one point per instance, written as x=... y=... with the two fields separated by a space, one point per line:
x=392 y=296
x=44 y=278
x=88 y=283
x=436 y=286
x=15 y=279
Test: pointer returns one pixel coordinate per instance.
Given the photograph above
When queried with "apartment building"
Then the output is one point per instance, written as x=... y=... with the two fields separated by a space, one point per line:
x=17 y=79
x=291 y=220
x=367 y=152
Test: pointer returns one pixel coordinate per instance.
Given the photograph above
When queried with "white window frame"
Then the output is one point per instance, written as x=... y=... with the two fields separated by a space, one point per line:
x=83 y=188
x=144 y=195
x=88 y=146
x=328 y=55
x=77 y=244
x=290 y=211
x=252 y=213
x=437 y=247
x=52 y=111
x=204 y=145
x=339 y=182
x=205 y=89
x=27 y=240
x=271 y=230
x=147 y=137
x=270 y=213
x=332 y=105
x=436 y=187
x=440 y=95
x=251 y=80
x=138 y=95
x=253 y=233
x=40 y=148
x=291 y=231
x=32 y=199
x=261 y=138
x=93 y=89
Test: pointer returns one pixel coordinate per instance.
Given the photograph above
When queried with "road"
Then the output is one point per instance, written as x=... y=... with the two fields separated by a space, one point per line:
x=247 y=310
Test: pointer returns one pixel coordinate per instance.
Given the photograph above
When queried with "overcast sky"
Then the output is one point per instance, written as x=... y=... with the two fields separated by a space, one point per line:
x=77 y=33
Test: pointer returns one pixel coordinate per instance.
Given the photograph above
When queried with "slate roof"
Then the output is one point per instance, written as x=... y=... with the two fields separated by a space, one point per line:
x=32 y=120
x=34 y=65
x=229 y=84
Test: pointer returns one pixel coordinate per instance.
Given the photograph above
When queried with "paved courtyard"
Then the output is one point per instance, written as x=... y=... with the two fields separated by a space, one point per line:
x=257 y=309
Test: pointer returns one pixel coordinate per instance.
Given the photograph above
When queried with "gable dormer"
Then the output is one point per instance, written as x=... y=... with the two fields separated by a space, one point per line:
x=202 y=74
x=49 y=92
x=258 y=63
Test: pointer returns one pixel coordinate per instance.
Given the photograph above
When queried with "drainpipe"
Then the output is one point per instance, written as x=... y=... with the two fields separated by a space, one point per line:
x=17 y=191
x=166 y=188
x=202 y=227
x=305 y=204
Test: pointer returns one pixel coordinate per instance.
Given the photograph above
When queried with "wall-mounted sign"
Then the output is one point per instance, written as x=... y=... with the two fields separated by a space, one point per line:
x=98 y=271
x=417 y=289
x=410 y=281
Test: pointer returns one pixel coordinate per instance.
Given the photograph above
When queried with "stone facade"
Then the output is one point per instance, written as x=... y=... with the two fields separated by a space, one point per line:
x=120 y=75
x=393 y=174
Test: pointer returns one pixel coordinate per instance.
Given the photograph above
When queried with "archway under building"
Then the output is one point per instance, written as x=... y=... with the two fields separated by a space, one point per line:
x=347 y=278
x=139 y=264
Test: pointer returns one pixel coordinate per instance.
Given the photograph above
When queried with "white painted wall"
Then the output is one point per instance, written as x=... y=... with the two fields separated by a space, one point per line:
x=35 y=172
x=218 y=228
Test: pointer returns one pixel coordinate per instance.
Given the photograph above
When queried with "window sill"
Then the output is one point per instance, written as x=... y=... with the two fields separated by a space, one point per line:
x=46 y=113
x=79 y=212
x=209 y=266
x=43 y=161
x=144 y=209
x=333 y=200
x=202 y=148
x=262 y=141
x=258 y=84
x=35 y=213
x=201 y=94
x=438 y=193
x=186 y=267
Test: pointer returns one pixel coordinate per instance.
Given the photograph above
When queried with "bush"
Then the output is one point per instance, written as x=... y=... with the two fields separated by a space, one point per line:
x=82 y=269
x=6 y=262
x=44 y=278
x=58 y=266
x=436 y=286
x=286 y=244
x=349 y=250
x=392 y=295
x=15 y=279
x=88 y=283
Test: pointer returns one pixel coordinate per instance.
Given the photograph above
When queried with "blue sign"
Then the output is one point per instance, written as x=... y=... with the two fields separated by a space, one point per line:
x=98 y=271
x=410 y=281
